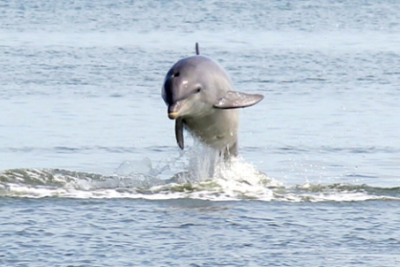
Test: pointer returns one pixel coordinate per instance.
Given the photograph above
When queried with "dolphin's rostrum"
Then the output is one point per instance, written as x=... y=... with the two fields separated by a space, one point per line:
x=201 y=98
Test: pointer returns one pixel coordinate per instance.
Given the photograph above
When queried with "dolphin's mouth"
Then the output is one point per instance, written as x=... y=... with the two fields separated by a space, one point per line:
x=174 y=110
x=173 y=115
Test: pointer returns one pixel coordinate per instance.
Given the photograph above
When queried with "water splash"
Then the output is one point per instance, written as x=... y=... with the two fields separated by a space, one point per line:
x=235 y=180
x=199 y=173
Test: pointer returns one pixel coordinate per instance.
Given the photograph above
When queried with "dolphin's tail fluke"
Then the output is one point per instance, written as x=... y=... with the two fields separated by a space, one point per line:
x=197 y=49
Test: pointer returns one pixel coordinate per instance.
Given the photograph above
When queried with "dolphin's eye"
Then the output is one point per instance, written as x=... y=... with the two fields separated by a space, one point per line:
x=176 y=74
x=198 y=89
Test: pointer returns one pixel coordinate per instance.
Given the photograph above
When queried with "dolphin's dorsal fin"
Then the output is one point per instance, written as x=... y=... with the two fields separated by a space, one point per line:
x=234 y=99
x=197 y=48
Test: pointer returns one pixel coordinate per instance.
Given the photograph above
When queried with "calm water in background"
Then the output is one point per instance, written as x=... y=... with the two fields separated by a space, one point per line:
x=80 y=90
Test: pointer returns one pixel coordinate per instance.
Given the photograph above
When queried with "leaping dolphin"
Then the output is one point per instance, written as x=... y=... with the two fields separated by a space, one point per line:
x=200 y=97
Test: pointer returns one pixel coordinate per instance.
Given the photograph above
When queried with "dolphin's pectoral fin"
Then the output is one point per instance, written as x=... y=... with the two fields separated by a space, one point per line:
x=179 y=132
x=234 y=99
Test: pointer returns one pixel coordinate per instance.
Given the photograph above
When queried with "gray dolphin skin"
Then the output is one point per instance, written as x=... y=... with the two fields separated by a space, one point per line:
x=200 y=97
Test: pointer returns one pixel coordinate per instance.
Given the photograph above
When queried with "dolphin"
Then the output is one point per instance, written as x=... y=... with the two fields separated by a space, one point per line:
x=201 y=98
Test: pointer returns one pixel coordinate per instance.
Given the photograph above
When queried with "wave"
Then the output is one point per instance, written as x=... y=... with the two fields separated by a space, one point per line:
x=235 y=181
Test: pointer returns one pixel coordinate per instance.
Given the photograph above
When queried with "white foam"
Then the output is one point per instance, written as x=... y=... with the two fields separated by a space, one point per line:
x=233 y=181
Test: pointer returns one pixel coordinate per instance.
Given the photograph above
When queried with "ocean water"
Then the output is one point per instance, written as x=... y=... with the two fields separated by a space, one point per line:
x=90 y=172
